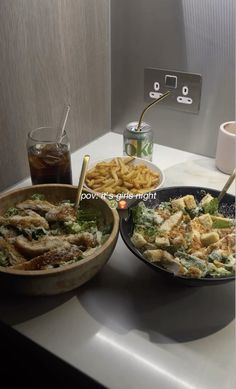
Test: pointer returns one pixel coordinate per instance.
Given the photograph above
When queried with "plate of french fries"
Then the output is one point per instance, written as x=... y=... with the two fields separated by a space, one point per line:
x=124 y=175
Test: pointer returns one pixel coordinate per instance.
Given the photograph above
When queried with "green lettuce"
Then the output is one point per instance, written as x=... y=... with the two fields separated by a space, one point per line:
x=212 y=207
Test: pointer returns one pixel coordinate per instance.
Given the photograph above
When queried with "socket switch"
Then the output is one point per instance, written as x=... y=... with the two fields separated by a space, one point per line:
x=185 y=88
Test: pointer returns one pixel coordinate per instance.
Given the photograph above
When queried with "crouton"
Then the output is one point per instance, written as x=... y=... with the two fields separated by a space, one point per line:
x=162 y=241
x=189 y=201
x=158 y=256
x=149 y=246
x=194 y=272
x=178 y=203
x=202 y=254
x=206 y=220
x=138 y=240
x=178 y=241
x=209 y=238
x=153 y=255
x=206 y=199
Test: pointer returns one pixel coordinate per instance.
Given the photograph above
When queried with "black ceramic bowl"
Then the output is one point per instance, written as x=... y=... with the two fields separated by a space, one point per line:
x=227 y=208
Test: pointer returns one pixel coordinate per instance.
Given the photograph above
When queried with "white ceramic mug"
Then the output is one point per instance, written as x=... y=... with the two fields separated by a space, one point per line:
x=225 y=150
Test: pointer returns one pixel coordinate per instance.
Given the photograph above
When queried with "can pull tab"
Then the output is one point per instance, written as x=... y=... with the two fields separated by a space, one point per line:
x=149 y=106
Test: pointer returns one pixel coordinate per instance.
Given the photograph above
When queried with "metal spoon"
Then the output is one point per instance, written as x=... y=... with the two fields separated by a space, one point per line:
x=81 y=180
x=227 y=185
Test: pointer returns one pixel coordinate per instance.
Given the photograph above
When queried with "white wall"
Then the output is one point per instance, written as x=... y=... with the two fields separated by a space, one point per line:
x=196 y=36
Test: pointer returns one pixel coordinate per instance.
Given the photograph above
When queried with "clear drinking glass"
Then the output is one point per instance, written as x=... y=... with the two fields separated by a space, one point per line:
x=49 y=156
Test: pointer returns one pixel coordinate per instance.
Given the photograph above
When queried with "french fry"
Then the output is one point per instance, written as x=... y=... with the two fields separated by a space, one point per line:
x=154 y=182
x=149 y=182
x=121 y=189
x=128 y=185
x=109 y=182
x=109 y=190
x=114 y=175
x=93 y=175
x=130 y=175
x=121 y=176
x=97 y=181
x=96 y=187
x=121 y=166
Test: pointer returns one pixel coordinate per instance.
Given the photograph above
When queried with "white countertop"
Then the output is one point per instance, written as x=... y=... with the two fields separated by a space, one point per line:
x=128 y=328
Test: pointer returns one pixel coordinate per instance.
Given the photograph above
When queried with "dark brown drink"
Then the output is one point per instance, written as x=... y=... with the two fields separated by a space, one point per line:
x=50 y=163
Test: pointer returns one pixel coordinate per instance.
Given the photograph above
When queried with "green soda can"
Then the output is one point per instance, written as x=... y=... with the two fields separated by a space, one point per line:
x=138 y=143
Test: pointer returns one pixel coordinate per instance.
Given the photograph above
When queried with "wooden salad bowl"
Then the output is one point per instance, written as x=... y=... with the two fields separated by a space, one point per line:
x=68 y=277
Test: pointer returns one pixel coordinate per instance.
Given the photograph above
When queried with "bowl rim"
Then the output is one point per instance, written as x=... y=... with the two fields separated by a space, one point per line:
x=141 y=160
x=113 y=235
x=138 y=254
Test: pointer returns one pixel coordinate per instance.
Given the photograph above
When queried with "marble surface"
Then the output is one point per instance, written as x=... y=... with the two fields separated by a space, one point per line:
x=200 y=171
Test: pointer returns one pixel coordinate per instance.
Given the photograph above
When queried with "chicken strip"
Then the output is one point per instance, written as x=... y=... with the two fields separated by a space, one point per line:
x=36 y=205
x=54 y=213
x=33 y=248
x=84 y=239
x=23 y=222
x=29 y=212
x=52 y=258
x=64 y=212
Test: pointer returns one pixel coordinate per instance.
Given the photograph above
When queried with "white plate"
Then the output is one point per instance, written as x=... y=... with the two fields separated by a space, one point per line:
x=136 y=161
